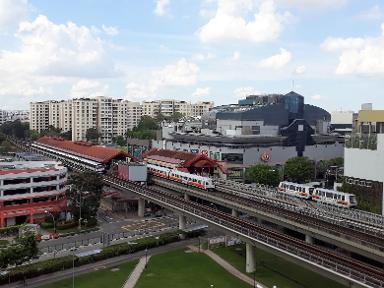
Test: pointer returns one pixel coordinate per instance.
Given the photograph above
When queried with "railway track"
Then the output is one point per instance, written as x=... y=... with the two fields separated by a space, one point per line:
x=286 y=211
x=327 y=259
x=330 y=224
x=361 y=219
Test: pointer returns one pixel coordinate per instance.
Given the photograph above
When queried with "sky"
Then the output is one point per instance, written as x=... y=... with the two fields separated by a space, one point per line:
x=329 y=51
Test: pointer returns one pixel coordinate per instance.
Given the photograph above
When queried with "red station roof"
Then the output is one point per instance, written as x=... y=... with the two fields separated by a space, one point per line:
x=185 y=159
x=83 y=149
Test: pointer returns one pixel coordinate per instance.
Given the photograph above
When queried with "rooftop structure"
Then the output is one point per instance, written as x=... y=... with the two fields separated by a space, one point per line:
x=85 y=150
x=195 y=163
x=29 y=188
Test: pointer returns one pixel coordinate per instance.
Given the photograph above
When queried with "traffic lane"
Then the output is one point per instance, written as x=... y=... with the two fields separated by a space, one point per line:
x=70 y=239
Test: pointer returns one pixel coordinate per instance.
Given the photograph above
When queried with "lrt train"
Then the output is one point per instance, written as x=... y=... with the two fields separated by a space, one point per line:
x=193 y=180
x=321 y=195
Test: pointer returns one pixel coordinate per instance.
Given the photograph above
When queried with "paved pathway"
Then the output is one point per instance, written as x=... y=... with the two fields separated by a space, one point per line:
x=228 y=267
x=135 y=275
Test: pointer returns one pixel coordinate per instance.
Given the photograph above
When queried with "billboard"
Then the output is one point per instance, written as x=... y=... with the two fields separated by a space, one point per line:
x=232 y=157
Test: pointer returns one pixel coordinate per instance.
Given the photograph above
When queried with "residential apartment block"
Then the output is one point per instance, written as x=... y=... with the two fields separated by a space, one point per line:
x=111 y=117
x=168 y=107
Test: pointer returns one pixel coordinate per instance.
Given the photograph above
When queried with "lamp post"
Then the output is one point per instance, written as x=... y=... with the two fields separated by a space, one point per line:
x=146 y=257
x=73 y=267
x=53 y=218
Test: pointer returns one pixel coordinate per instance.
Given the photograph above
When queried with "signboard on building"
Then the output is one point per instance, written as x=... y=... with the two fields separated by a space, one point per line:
x=232 y=157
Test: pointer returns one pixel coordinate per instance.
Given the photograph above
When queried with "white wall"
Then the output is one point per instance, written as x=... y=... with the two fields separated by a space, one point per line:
x=342 y=117
x=364 y=163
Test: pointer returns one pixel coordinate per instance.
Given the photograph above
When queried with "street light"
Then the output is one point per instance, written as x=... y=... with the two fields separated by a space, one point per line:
x=73 y=267
x=146 y=257
x=53 y=218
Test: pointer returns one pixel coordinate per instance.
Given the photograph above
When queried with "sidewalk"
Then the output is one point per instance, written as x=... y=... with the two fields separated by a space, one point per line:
x=135 y=275
x=228 y=267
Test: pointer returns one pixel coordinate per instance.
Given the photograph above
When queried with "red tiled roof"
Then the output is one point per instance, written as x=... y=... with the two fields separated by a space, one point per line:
x=83 y=149
x=19 y=171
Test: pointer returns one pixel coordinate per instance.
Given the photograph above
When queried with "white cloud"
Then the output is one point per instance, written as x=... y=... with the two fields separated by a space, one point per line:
x=229 y=22
x=316 y=97
x=12 y=11
x=235 y=56
x=181 y=73
x=161 y=7
x=203 y=56
x=201 y=92
x=110 y=30
x=242 y=92
x=48 y=56
x=363 y=56
x=312 y=4
x=373 y=13
x=88 y=88
x=277 y=61
x=300 y=70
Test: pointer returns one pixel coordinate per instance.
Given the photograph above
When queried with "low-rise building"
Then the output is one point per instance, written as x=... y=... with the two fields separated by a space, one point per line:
x=29 y=188
x=342 y=122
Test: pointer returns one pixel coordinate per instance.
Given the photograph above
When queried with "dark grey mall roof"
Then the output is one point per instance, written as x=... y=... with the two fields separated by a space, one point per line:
x=252 y=141
x=274 y=114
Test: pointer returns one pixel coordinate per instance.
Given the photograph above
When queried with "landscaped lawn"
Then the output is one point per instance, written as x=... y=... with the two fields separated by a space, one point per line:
x=272 y=270
x=179 y=269
x=103 y=278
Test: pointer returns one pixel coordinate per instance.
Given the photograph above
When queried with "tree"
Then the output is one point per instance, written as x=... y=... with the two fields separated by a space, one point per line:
x=263 y=174
x=52 y=131
x=15 y=129
x=147 y=123
x=66 y=135
x=92 y=135
x=299 y=169
x=85 y=192
x=33 y=134
x=120 y=140
x=175 y=117
x=23 y=249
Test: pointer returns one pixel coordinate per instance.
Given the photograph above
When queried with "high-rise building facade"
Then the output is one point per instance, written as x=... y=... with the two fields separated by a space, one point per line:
x=169 y=107
x=39 y=116
x=111 y=117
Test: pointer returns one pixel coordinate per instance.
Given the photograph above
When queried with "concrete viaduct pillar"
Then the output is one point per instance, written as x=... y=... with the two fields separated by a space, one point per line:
x=235 y=213
x=250 y=258
x=186 y=197
x=140 y=207
x=182 y=221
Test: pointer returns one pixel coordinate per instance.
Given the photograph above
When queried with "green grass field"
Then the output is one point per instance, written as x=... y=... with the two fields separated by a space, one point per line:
x=187 y=270
x=103 y=278
x=271 y=270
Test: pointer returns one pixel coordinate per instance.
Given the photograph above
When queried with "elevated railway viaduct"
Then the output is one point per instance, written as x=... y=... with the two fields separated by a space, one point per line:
x=342 y=268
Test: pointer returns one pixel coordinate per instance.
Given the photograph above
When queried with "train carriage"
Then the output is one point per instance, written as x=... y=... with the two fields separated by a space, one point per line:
x=181 y=177
x=295 y=189
x=332 y=197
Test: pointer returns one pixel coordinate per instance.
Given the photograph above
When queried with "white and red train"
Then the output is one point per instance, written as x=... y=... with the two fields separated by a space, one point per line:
x=198 y=181
x=326 y=196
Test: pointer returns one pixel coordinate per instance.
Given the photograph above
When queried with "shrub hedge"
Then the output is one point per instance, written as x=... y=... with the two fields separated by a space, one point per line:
x=61 y=263
x=9 y=231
